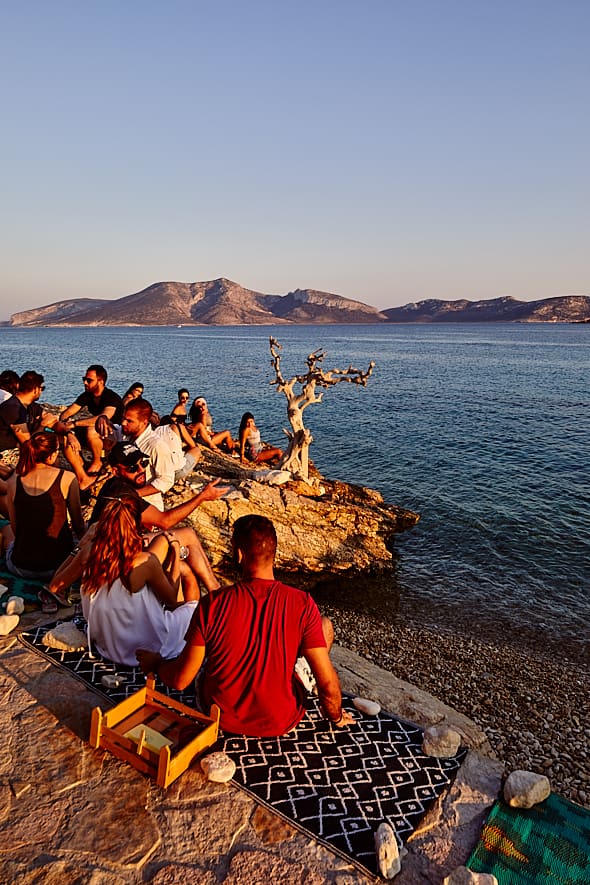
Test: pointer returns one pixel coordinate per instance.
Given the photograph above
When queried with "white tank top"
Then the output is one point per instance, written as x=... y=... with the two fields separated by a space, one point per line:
x=119 y=622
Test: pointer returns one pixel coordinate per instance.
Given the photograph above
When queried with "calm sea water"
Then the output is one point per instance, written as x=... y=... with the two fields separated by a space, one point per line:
x=483 y=429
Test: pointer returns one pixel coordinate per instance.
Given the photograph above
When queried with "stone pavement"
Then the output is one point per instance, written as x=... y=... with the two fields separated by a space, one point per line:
x=69 y=814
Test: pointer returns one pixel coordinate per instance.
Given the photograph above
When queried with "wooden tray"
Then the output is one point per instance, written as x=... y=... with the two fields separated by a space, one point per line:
x=153 y=718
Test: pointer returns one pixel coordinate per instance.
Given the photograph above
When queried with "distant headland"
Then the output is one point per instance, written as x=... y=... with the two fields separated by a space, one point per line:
x=225 y=303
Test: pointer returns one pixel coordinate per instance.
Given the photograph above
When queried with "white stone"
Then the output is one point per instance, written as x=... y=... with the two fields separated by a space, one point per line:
x=371 y=708
x=523 y=789
x=111 y=680
x=387 y=851
x=441 y=741
x=218 y=767
x=464 y=876
x=65 y=637
x=15 y=605
x=8 y=623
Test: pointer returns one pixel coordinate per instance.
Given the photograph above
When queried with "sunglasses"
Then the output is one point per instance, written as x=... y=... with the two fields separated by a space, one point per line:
x=143 y=462
x=87 y=380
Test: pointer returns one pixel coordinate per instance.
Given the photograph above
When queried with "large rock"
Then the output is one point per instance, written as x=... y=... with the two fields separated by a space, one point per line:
x=347 y=529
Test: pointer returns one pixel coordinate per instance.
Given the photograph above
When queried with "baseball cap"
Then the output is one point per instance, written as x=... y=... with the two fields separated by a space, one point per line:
x=127 y=454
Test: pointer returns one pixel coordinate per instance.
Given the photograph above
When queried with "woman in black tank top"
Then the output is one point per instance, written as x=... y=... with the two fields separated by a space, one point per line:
x=40 y=497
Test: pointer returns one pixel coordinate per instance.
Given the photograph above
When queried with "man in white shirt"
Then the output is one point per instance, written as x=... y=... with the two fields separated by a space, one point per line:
x=161 y=466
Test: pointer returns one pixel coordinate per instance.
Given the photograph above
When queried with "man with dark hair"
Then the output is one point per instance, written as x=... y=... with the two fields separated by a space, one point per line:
x=128 y=464
x=21 y=415
x=136 y=426
x=98 y=400
x=250 y=636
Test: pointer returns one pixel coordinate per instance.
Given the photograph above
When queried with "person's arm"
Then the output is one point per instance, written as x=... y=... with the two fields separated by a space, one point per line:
x=71 y=410
x=10 y=492
x=21 y=431
x=176 y=672
x=328 y=686
x=167 y=519
x=152 y=573
x=52 y=422
x=161 y=468
x=74 y=507
x=185 y=436
x=108 y=413
x=72 y=568
x=243 y=437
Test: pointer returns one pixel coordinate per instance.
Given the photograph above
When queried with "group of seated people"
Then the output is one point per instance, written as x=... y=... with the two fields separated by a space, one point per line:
x=149 y=594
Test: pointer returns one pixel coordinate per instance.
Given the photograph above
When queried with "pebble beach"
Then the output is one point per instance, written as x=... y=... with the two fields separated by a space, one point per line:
x=533 y=708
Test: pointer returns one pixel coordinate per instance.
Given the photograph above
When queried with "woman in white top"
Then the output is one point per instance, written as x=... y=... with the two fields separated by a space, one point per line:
x=252 y=449
x=129 y=598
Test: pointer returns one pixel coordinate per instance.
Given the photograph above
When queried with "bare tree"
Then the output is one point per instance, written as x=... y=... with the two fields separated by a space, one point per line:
x=296 y=458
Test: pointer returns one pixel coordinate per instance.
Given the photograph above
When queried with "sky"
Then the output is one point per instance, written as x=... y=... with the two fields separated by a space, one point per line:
x=385 y=151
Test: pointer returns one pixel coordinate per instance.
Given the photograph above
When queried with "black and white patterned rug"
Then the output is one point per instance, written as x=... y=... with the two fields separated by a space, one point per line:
x=90 y=668
x=340 y=784
x=335 y=784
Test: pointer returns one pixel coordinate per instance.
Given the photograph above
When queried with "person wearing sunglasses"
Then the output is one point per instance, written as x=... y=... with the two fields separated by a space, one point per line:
x=129 y=464
x=97 y=400
x=21 y=415
x=180 y=410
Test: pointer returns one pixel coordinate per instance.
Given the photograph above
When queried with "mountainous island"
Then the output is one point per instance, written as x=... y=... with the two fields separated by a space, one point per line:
x=225 y=303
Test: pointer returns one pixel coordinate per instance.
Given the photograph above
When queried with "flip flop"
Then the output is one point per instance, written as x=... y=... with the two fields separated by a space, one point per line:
x=60 y=596
x=48 y=602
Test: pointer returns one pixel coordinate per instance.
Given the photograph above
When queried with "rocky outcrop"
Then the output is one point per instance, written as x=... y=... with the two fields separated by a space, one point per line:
x=335 y=529
x=563 y=309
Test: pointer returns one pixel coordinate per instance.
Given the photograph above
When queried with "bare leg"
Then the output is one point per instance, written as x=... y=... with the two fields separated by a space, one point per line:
x=6 y=537
x=94 y=442
x=76 y=462
x=197 y=558
x=190 y=586
x=268 y=455
x=224 y=438
x=160 y=546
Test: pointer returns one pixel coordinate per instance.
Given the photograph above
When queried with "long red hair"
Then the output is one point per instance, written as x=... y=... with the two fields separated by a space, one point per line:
x=116 y=543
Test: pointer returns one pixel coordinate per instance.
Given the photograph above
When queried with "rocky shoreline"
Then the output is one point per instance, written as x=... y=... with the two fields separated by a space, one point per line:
x=532 y=708
x=531 y=704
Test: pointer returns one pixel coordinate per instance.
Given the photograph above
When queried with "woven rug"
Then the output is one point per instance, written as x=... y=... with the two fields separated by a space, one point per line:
x=90 y=668
x=340 y=784
x=549 y=843
x=336 y=785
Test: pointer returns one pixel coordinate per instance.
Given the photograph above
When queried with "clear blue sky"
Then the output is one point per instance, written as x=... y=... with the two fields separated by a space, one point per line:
x=386 y=151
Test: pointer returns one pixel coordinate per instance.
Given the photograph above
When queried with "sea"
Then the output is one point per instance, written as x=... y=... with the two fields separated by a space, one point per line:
x=483 y=429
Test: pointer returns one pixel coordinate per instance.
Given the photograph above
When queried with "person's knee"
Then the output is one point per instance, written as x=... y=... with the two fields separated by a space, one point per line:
x=328 y=631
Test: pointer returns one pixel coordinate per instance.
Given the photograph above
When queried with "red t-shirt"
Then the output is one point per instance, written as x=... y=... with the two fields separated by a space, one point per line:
x=253 y=633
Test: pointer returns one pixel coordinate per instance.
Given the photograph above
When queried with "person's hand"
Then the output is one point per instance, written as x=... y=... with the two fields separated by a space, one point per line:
x=213 y=490
x=149 y=661
x=345 y=719
x=104 y=426
x=73 y=443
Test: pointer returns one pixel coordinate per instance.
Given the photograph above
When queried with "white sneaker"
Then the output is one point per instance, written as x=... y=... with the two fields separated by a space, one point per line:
x=305 y=676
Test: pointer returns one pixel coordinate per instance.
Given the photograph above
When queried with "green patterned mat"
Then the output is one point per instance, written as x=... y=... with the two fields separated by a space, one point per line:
x=548 y=843
x=24 y=587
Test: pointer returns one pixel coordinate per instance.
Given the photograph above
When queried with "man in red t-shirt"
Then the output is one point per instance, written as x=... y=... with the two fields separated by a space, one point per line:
x=251 y=635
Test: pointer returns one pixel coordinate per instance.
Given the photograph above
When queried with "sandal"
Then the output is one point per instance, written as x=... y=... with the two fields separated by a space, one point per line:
x=62 y=597
x=48 y=602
